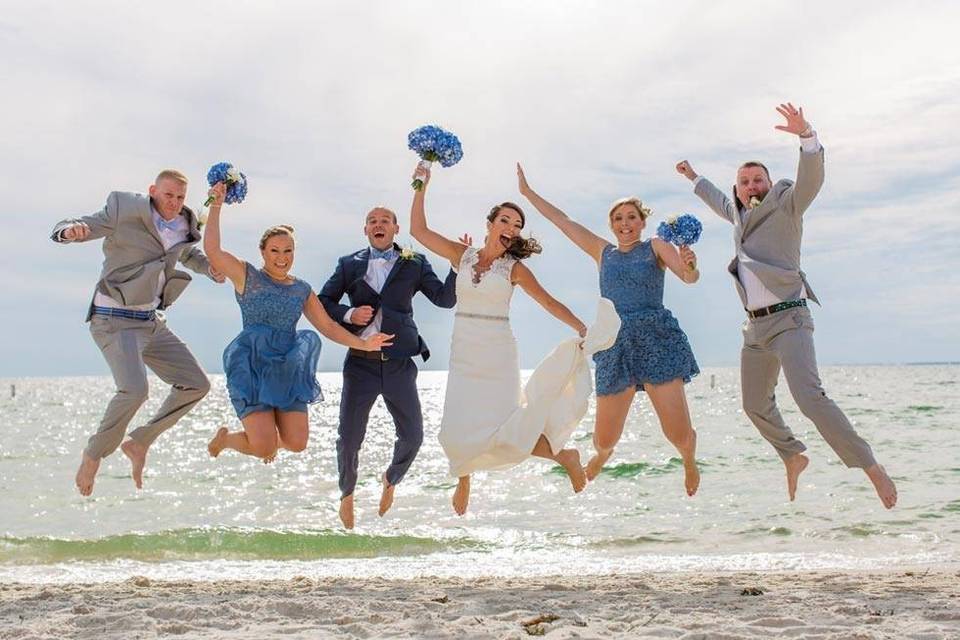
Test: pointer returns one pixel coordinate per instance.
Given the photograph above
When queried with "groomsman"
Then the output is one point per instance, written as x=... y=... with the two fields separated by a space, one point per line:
x=380 y=282
x=144 y=236
x=767 y=223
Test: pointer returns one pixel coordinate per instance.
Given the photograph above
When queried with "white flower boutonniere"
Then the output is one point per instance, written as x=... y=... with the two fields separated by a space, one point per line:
x=202 y=217
x=672 y=219
x=754 y=202
x=407 y=253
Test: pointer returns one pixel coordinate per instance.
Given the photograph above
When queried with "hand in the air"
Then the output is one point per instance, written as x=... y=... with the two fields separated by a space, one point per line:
x=684 y=169
x=77 y=232
x=796 y=123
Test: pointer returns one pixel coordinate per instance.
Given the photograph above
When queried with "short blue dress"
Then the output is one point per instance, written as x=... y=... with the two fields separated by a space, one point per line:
x=271 y=365
x=650 y=347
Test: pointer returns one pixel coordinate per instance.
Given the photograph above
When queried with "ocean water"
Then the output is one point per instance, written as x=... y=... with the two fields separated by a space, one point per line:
x=234 y=517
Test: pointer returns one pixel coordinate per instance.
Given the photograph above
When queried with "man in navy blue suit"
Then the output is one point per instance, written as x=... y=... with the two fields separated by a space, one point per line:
x=380 y=282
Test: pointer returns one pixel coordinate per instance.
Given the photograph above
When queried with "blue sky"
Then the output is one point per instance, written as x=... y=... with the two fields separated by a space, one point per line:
x=597 y=99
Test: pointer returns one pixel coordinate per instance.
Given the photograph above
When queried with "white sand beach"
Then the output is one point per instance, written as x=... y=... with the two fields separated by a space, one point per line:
x=919 y=603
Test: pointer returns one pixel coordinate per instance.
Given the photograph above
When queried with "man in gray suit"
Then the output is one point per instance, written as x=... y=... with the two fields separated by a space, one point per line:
x=144 y=238
x=778 y=333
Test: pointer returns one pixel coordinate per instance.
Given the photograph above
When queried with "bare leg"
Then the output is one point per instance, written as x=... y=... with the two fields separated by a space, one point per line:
x=883 y=484
x=611 y=416
x=86 y=474
x=569 y=459
x=346 y=511
x=293 y=428
x=386 y=496
x=795 y=465
x=259 y=437
x=137 y=453
x=461 y=497
x=670 y=402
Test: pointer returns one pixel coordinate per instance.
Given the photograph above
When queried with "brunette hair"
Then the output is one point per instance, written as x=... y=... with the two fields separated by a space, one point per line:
x=520 y=248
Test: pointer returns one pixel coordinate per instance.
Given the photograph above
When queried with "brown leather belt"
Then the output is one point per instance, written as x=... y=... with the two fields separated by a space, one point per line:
x=368 y=355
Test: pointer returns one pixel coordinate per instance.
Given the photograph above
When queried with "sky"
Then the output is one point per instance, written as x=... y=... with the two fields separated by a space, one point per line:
x=598 y=100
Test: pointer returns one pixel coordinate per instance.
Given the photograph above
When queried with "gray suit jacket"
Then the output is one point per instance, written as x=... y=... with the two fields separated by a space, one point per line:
x=133 y=252
x=773 y=231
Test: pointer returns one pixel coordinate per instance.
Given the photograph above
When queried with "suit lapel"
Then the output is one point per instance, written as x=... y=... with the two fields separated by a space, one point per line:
x=396 y=267
x=767 y=208
x=146 y=214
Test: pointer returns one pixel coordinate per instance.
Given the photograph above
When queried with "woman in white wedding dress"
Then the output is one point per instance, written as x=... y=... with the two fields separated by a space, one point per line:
x=488 y=423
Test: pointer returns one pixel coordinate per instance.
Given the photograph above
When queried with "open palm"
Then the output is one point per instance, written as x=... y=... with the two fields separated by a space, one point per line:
x=796 y=123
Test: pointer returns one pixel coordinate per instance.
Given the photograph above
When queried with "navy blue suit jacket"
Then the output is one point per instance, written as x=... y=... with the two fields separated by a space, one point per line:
x=395 y=299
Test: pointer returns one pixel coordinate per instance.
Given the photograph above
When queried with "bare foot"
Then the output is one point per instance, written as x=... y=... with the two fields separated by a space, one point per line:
x=138 y=457
x=691 y=473
x=218 y=442
x=461 y=497
x=86 y=474
x=346 y=511
x=595 y=466
x=883 y=484
x=569 y=459
x=795 y=465
x=386 y=496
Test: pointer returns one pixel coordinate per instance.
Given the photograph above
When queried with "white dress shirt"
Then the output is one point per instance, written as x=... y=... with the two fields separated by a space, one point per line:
x=377 y=271
x=169 y=237
x=758 y=296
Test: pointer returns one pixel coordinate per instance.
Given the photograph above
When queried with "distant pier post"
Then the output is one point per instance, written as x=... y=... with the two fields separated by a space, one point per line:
x=713 y=380
x=13 y=391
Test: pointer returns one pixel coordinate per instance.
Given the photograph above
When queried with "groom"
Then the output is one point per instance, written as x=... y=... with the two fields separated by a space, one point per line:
x=380 y=282
x=767 y=220
x=144 y=236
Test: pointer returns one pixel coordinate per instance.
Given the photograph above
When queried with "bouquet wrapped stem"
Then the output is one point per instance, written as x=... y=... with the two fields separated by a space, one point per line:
x=426 y=163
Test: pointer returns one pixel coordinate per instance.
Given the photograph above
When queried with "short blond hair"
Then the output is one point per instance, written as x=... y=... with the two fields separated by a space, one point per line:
x=171 y=174
x=631 y=200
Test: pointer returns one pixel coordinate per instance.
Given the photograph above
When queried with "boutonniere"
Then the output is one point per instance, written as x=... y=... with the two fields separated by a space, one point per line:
x=754 y=202
x=202 y=217
x=407 y=253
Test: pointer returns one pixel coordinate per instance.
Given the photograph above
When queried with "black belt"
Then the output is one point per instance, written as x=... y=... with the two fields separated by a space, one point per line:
x=368 y=355
x=129 y=314
x=780 y=306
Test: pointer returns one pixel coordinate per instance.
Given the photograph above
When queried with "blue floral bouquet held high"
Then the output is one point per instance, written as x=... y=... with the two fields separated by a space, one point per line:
x=680 y=230
x=231 y=176
x=434 y=144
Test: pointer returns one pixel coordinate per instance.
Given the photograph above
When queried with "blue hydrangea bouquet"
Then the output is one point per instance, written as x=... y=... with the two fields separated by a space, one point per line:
x=235 y=180
x=433 y=144
x=680 y=230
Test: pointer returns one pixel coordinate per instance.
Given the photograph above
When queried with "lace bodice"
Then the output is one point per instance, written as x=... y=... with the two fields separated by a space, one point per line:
x=632 y=280
x=267 y=302
x=491 y=295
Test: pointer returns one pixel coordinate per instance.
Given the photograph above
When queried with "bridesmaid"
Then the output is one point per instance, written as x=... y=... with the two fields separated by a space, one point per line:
x=651 y=352
x=271 y=367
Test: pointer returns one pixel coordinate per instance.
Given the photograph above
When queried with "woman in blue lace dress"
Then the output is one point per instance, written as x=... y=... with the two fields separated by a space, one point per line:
x=651 y=353
x=271 y=367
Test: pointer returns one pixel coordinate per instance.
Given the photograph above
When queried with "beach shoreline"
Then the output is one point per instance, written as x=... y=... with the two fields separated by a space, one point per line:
x=921 y=602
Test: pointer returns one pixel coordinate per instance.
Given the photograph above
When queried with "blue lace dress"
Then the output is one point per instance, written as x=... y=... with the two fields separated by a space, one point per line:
x=271 y=365
x=650 y=347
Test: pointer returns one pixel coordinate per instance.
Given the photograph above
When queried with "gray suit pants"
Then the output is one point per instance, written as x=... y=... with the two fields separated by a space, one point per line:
x=785 y=339
x=130 y=346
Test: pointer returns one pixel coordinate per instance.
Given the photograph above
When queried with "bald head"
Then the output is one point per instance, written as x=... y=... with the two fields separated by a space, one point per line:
x=381 y=227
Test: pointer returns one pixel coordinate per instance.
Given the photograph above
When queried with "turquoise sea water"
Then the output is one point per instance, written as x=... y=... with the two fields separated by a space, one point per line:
x=234 y=517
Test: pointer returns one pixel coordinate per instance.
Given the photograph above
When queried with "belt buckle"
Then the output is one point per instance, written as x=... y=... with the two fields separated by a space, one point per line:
x=383 y=356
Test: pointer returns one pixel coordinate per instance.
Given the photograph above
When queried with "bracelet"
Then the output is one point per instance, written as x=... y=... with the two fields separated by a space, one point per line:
x=806 y=133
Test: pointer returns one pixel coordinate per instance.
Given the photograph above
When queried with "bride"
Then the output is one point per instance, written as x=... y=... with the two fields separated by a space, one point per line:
x=489 y=422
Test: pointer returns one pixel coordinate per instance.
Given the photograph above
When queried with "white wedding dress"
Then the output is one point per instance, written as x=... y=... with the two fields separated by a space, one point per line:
x=489 y=421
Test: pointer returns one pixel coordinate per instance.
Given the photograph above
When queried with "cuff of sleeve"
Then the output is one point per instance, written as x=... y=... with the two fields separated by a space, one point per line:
x=348 y=315
x=697 y=181
x=811 y=144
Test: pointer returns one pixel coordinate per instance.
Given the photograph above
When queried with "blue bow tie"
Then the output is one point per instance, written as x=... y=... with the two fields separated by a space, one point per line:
x=387 y=254
x=168 y=225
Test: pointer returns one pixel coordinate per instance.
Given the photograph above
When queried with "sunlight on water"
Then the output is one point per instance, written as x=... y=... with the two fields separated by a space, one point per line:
x=199 y=517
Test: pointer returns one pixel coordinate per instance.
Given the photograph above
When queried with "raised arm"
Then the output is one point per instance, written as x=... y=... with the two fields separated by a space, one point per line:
x=810 y=170
x=442 y=293
x=224 y=262
x=439 y=244
x=318 y=317
x=714 y=198
x=683 y=263
x=92 y=227
x=529 y=283
x=591 y=243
